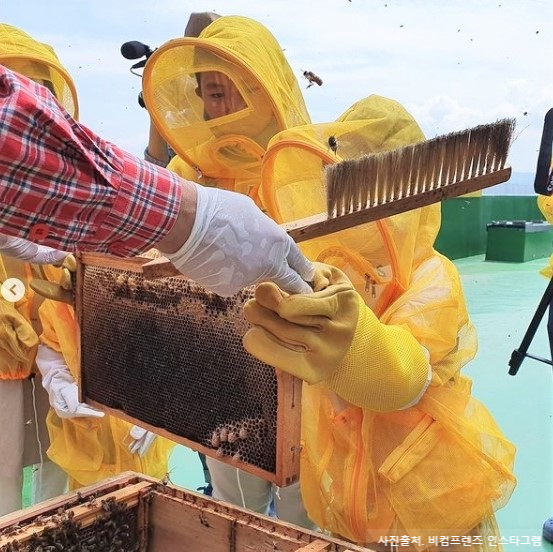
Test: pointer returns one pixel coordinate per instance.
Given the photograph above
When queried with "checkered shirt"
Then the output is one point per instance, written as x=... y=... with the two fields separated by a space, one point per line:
x=61 y=185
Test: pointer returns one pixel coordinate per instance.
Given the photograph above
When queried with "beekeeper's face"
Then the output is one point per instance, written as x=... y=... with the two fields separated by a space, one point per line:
x=219 y=94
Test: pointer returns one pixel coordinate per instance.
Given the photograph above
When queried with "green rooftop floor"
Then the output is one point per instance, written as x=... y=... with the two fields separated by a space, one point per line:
x=502 y=299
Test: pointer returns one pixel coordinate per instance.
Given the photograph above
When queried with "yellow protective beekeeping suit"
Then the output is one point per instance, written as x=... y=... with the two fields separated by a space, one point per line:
x=545 y=205
x=90 y=449
x=361 y=475
x=24 y=404
x=225 y=151
x=35 y=60
x=443 y=466
x=18 y=336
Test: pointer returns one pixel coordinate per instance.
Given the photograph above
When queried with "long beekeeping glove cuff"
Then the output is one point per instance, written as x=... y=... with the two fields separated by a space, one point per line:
x=385 y=367
x=332 y=336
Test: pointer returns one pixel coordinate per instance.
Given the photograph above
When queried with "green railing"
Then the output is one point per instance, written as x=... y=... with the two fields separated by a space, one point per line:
x=463 y=232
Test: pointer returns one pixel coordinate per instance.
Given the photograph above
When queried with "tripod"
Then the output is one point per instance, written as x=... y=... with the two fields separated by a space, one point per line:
x=543 y=184
x=518 y=355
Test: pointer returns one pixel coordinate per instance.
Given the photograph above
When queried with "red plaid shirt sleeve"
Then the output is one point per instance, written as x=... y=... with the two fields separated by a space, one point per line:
x=63 y=186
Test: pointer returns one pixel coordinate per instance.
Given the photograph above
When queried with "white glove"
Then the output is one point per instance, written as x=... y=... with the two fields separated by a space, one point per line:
x=233 y=245
x=30 y=252
x=141 y=440
x=60 y=386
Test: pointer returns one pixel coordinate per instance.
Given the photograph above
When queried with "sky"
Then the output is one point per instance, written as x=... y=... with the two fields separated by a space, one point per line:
x=452 y=64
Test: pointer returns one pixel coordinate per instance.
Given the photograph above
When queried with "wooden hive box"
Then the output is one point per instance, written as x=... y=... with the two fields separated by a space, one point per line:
x=167 y=355
x=135 y=513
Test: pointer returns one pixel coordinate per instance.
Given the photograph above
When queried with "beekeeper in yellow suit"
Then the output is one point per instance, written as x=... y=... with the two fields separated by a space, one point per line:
x=88 y=445
x=217 y=100
x=394 y=445
x=23 y=402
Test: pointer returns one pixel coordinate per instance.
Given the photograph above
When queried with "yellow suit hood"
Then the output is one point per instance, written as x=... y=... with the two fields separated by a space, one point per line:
x=226 y=150
x=37 y=61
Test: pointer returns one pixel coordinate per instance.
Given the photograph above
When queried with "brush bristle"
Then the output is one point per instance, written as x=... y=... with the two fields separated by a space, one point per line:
x=380 y=178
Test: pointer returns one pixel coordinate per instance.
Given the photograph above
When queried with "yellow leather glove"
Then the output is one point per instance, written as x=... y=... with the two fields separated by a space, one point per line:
x=306 y=335
x=332 y=336
x=63 y=290
x=18 y=341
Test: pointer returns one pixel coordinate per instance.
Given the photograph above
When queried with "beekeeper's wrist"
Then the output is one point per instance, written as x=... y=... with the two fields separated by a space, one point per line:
x=186 y=218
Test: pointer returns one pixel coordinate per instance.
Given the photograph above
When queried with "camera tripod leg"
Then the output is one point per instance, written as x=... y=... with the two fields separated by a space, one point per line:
x=518 y=355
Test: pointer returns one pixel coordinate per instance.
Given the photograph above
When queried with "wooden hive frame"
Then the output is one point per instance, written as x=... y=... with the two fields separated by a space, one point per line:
x=168 y=518
x=288 y=398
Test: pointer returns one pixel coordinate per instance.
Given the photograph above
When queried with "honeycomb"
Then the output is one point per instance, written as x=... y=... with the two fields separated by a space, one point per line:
x=169 y=353
x=114 y=530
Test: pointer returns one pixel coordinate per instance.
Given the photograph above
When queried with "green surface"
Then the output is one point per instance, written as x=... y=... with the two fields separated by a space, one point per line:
x=27 y=486
x=464 y=219
x=185 y=468
x=517 y=244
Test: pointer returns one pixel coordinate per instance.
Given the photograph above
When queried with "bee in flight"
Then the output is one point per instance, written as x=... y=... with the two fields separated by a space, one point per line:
x=312 y=78
x=333 y=144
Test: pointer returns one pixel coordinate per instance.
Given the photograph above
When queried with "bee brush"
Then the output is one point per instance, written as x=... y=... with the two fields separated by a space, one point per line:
x=379 y=185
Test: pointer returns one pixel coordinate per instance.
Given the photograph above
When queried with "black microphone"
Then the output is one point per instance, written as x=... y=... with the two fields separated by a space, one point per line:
x=135 y=49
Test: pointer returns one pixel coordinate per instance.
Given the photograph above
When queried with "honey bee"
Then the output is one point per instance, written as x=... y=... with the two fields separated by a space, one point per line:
x=333 y=144
x=199 y=174
x=203 y=520
x=166 y=479
x=312 y=78
x=91 y=501
x=41 y=520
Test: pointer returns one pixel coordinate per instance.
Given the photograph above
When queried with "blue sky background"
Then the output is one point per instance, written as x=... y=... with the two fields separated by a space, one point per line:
x=453 y=64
